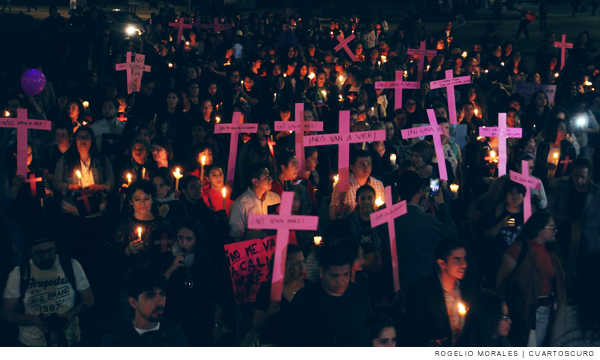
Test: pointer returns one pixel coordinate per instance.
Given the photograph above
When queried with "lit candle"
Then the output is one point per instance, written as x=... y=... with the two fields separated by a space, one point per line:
x=556 y=75
x=242 y=82
x=311 y=76
x=284 y=75
x=454 y=188
x=379 y=202
x=486 y=71
x=224 y=196
x=555 y=157
x=318 y=240
x=187 y=43
x=218 y=119
x=341 y=98
x=427 y=68
x=464 y=54
x=143 y=173
x=7 y=113
x=336 y=178
x=502 y=63
x=275 y=97
x=405 y=74
x=341 y=79
x=324 y=94
x=383 y=58
x=393 y=159
x=79 y=178
x=493 y=153
x=379 y=63
x=86 y=104
x=462 y=312
x=481 y=138
x=203 y=161
x=128 y=179
x=476 y=112
x=178 y=176
x=140 y=233
x=170 y=65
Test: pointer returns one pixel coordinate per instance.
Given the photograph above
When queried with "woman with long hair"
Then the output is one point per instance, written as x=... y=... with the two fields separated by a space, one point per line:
x=487 y=324
x=554 y=150
x=378 y=330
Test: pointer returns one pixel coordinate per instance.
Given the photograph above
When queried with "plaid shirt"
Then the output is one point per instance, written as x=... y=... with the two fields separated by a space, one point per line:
x=350 y=199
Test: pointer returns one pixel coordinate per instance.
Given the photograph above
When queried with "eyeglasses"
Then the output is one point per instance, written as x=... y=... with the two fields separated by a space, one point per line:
x=553 y=228
x=505 y=317
x=44 y=253
x=84 y=137
x=157 y=149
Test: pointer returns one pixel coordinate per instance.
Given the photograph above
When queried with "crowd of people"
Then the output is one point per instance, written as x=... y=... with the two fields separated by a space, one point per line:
x=126 y=208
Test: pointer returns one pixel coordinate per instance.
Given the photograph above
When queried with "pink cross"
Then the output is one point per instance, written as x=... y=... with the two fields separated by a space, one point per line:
x=449 y=83
x=563 y=45
x=398 y=86
x=344 y=44
x=134 y=71
x=299 y=126
x=529 y=182
x=86 y=202
x=180 y=25
x=343 y=139
x=421 y=52
x=22 y=123
x=501 y=132
x=122 y=118
x=284 y=222
x=32 y=180
x=388 y=215
x=319 y=104
x=215 y=26
x=235 y=129
x=566 y=162
x=435 y=131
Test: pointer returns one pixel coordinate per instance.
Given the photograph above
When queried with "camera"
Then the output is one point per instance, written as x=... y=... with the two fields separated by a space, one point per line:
x=434 y=185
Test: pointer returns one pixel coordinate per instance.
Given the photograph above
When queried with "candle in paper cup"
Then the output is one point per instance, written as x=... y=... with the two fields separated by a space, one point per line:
x=393 y=159
x=318 y=240
x=454 y=188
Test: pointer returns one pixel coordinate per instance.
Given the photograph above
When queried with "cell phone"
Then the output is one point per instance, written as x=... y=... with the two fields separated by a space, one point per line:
x=434 y=185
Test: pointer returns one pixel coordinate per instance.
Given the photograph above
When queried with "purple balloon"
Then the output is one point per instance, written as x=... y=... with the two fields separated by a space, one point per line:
x=33 y=82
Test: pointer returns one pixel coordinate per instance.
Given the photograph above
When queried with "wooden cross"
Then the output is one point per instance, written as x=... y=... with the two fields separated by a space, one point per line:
x=180 y=25
x=387 y=215
x=529 y=182
x=398 y=86
x=421 y=52
x=235 y=129
x=563 y=45
x=343 y=139
x=32 y=180
x=449 y=83
x=22 y=124
x=134 y=71
x=344 y=44
x=501 y=132
x=299 y=126
x=283 y=223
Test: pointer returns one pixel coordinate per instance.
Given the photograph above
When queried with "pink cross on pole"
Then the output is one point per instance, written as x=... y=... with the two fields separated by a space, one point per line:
x=180 y=25
x=32 y=180
x=344 y=44
x=501 y=132
x=566 y=162
x=343 y=139
x=388 y=215
x=421 y=52
x=134 y=71
x=299 y=126
x=449 y=83
x=563 y=45
x=529 y=182
x=283 y=223
x=398 y=86
x=435 y=131
x=235 y=129
x=22 y=123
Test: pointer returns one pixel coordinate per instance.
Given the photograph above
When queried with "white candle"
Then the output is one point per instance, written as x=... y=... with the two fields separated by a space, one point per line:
x=128 y=179
x=224 y=196
x=178 y=176
x=140 y=233
x=79 y=178
x=393 y=159
x=462 y=312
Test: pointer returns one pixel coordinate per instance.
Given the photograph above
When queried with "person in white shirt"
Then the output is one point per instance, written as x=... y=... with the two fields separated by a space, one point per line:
x=108 y=125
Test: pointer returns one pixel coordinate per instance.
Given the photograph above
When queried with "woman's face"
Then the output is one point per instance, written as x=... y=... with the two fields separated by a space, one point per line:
x=387 y=338
x=321 y=79
x=62 y=137
x=276 y=70
x=541 y=100
x=263 y=131
x=29 y=155
x=139 y=153
x=141 y=202
x=162 y=189
x=290 y=53
x=172 y=100
x=508 y=49
x=553 y=63
x=159 y=153
x=517 y=56
x=389 y=131
x=186 y=240
x=511 y=119
x=73 y=111
x=514 y=198
x=497 y=51
x=469 y=111
x=207 y=109
x=504 y=324
x=208 y=156
x=303 y=70
x=143 y=134
x=472 y=94
x=194 y=90
x=537 y=78
x=212 y=89
x=83 y=141
x=291 y=171
x=191 y=73
x=548 y=234
x=248 y=83
x=459 y=63
x=215 y=178
x=198 y=133
x=374 y=54
x=515 y=104
x=366 y=202
x=312 y=161
x=417 y=159
x=411 y=106
x=295 y=267
x=400 y=120
x=280 y=83
x=561 y=133
x=359 y=49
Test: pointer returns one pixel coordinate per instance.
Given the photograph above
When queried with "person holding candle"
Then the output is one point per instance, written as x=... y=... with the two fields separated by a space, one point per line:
x=165 y=204
x=551 y=152
x=536 y=113
x=532 y=280
x=378 y=330
x=212 y=193
x=487 y=323
x=421 y=161
x=473 y=94
x=63 y=133
x=137 y=164
x=287 y=178
x=380 y=152
x=109 y=124
x=76 y=114
x=191 y=195
x=200 y=157
x=173 y=115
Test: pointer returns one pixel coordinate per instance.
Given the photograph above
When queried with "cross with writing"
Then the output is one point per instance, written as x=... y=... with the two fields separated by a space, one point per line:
x=449 y=83
x=529 y=182
x=22 y=123
x=566 y=162
x=180 y=25
x=344 y=44
x=563 y=45
x=32 y=180
x=501 y=132
x=435 y=131
x=421 y=52
x=134 y=71
x=343 y=139
x=284 y=222
x=235 y=129
x=122 y=118
x=398 y=86
x=388 y=215
x=299 y=126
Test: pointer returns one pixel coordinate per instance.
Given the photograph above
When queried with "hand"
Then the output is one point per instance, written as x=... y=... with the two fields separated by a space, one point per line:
x=550 y=166
x=163 y=210
x=438 y=198
x=395 y=167
x=75 y=187
x=178 y=262
x=135 y=246
x=94 y=188
x=504 y=223
x=454 y=195
x=176 y=193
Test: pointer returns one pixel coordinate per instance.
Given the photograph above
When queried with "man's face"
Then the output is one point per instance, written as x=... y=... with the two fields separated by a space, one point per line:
x=580 y=178
x=108 y=110
x=265 y=182
x=192 y=191
x=456 y=264
x=43 y=255
x=150 y=305
x=335 y=280
x=362 y=167
x=148 y=89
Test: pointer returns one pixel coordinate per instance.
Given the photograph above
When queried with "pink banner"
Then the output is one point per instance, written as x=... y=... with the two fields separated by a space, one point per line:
x=529 y=182
x=235 y=128
x=449 y=82
x=422 y=52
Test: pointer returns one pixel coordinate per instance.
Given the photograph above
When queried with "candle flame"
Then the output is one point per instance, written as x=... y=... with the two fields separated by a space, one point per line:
x=324 y=92
x=379 y=202
x=336 y=178
x=453 y=187
x=476 y=112
x=341 y=78
x=140 y=233
x=464 y=54
x=493 y=153
x=555 y=155
x=6 y=113
x=502 y=63
x=393 y=157
x=311 y=76
x=461 y=309
x=556 y=75
x=170 y=65
x=78 y=174
x=203 y=159
x=224 y=192
x=318 y=240
x=86 y=104
x=129 y=177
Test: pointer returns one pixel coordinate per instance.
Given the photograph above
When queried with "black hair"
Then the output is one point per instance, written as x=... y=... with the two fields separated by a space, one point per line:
x=551 y=129
x=363 y=189
x=309 y=151
x=72 y=155
x=164 y=174
x=255 y=171
x=509 y=185
x=372 y=327
x=409 y=184
x=481 y=322
x=145 y=185
x=145 y=279
x=165 y=144
x=534 y=225
x=334 y=256
x=196 y=227
x=35 y=235
x=583 y=163
x=445 y=248
x=359 y=154
x=283 y=159
x=183 y=183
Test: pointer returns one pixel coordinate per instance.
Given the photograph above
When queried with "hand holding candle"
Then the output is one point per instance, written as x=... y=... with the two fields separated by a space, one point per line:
x=454 y=188
x=393 y=159
x=139 y=233
x=462 y=312
x=79 y=178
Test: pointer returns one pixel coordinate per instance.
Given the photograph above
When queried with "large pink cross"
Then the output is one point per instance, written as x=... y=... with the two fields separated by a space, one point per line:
x=501 y=132
x=398 y=86
x=435 y=131
x=563 y=45
x=180 y=25
x=299 y=126
x=284 y=222
x=529 y=182
x=421 y=52
x=134 y=71
x=215 y=26
x=565 y=163
x=32 y=180
x=344 y=44
x=22 y=123
x=449 y=83
x=388 y=215
x=235 y=129
x=343 y=139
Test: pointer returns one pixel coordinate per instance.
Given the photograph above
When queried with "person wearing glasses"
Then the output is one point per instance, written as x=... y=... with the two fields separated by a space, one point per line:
x=162 y=153
x=532 y=280
x=487 y=324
